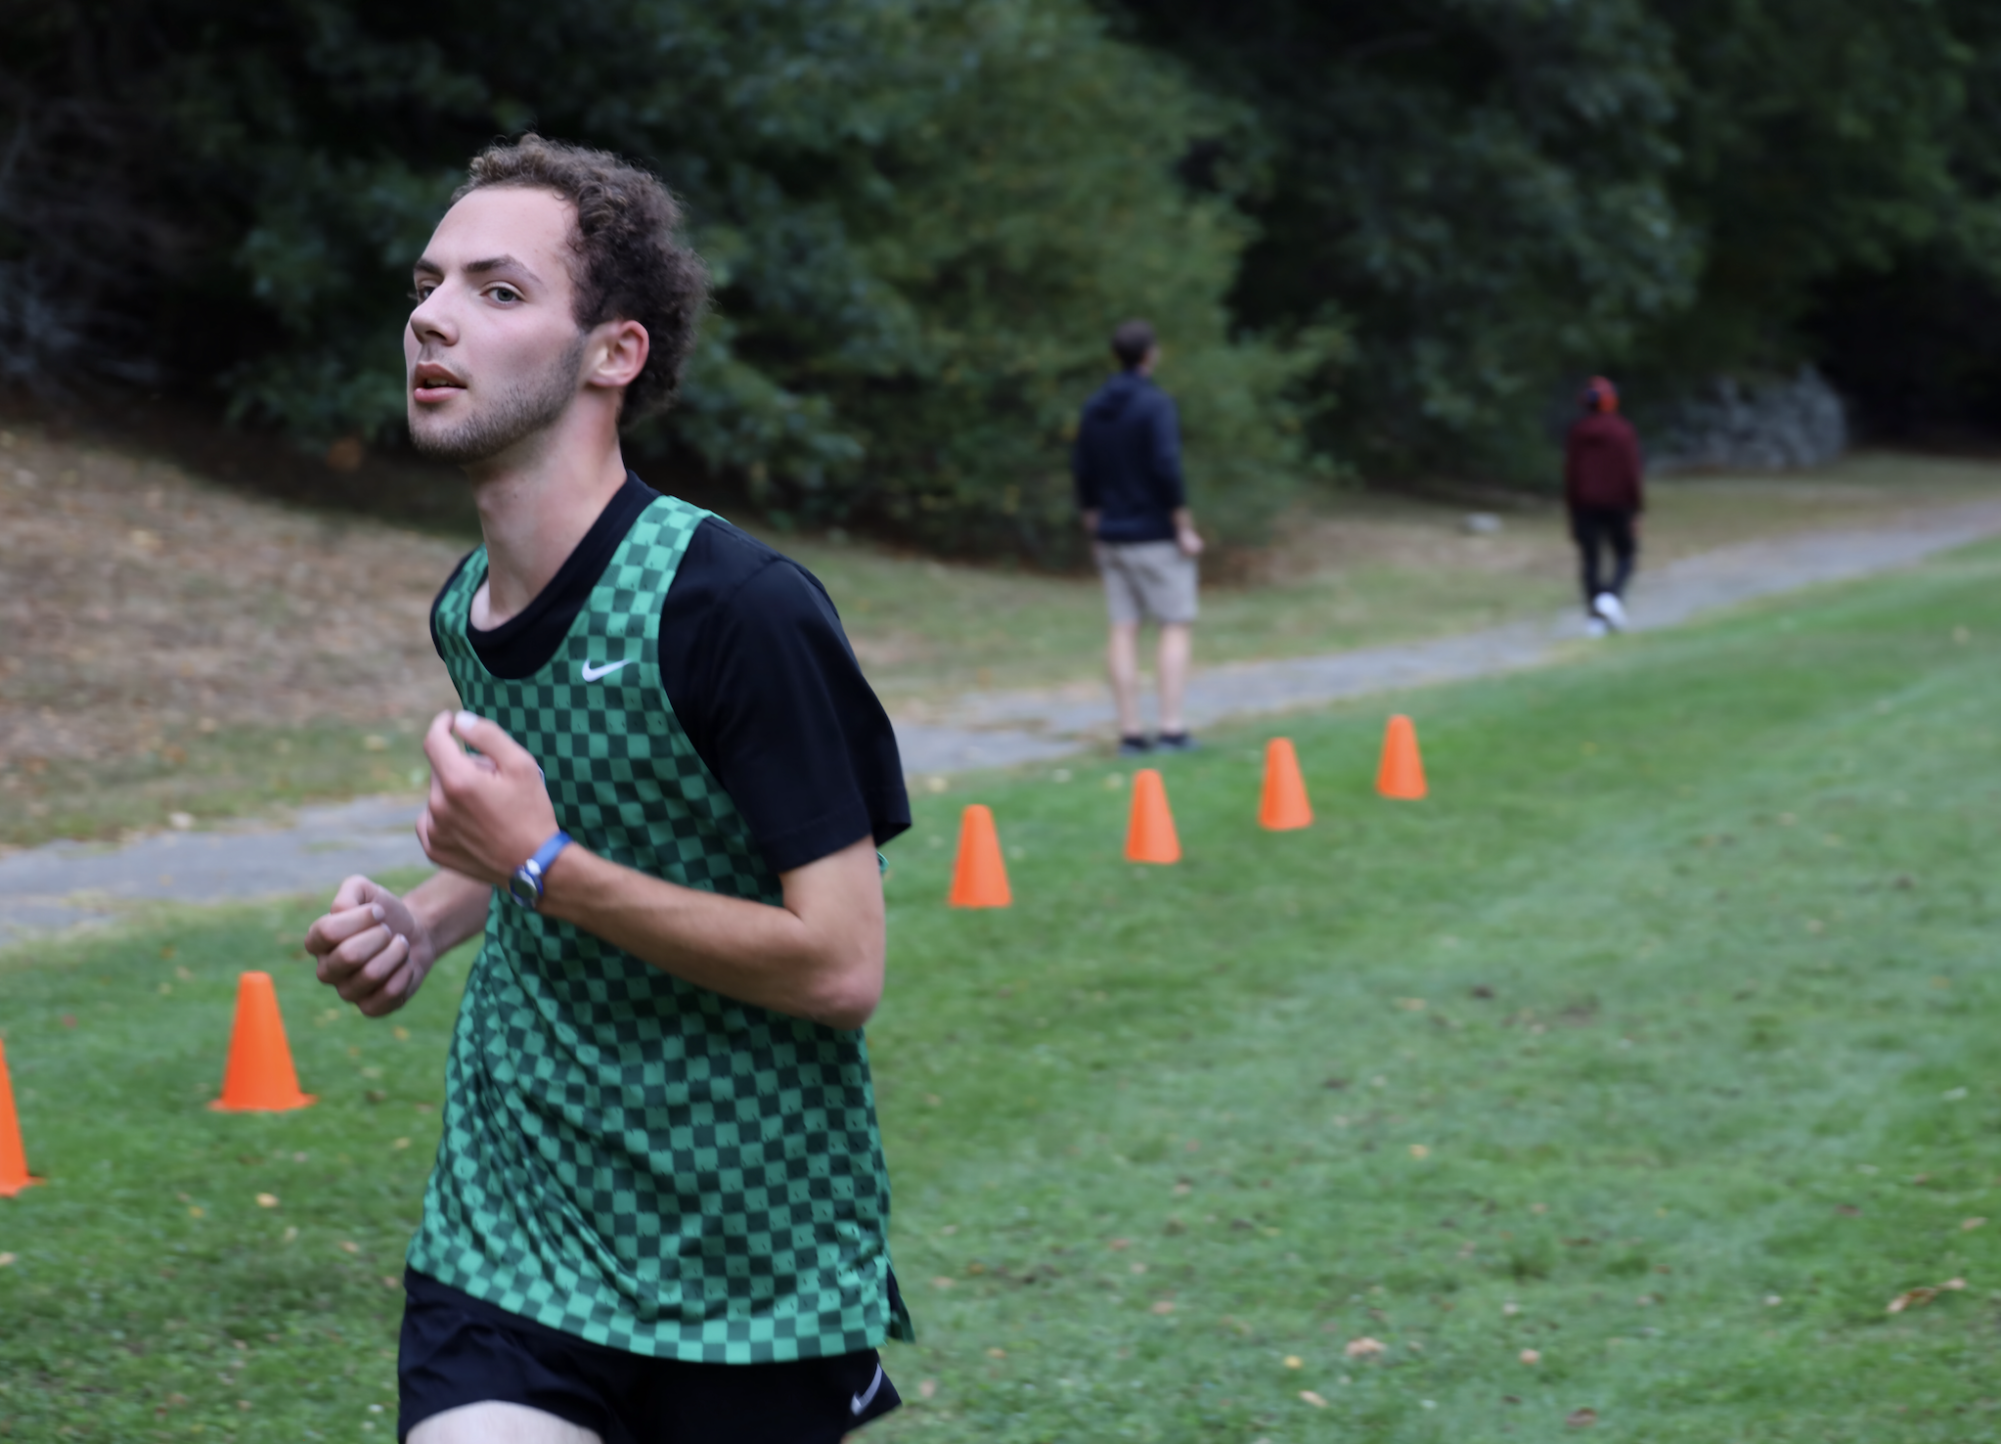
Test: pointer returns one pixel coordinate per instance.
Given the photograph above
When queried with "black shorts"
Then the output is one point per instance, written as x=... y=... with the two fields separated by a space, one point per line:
x=458 y=1350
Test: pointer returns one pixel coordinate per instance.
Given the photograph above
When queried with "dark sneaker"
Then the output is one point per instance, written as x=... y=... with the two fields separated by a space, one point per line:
x=1176 y=742
x=1134 y=747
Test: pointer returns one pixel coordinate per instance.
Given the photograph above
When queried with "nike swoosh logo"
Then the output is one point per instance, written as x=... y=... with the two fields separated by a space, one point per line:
x=591 y=674
x=863 y=1400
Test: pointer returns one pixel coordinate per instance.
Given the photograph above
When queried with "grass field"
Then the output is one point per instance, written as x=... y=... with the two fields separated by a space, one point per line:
x=1655 y=1047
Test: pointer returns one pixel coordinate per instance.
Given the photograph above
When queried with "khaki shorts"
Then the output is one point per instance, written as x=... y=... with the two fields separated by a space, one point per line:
x=1147 y=579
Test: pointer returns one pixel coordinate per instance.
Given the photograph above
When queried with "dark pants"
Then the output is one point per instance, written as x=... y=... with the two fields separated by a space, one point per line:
x=1597 y=526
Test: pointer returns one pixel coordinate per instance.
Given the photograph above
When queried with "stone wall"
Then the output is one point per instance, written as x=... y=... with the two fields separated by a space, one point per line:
x=1774 y=425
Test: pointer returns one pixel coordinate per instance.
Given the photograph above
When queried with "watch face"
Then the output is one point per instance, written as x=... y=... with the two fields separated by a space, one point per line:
x=523 y=890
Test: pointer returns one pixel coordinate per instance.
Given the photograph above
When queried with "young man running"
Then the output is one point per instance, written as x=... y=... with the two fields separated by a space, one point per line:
x=659 y=1210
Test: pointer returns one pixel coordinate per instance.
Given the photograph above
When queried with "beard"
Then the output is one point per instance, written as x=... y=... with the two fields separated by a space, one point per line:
x=514 y=414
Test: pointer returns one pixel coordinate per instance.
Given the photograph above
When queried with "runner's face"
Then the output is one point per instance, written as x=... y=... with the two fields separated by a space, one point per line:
x=493 y=353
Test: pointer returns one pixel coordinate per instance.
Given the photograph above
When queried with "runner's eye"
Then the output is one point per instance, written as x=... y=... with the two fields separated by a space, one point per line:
x=506 y=295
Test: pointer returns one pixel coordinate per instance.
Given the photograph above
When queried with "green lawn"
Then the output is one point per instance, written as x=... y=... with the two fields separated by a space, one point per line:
x=1657 y=1042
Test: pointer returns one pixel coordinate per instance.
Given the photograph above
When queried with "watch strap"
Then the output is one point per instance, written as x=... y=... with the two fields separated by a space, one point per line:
x=527 y=884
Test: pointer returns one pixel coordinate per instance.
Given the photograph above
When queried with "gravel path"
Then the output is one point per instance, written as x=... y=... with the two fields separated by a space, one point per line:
x=65 y=885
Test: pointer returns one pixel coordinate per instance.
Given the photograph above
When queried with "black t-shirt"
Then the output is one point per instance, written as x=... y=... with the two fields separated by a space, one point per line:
x=759 y=674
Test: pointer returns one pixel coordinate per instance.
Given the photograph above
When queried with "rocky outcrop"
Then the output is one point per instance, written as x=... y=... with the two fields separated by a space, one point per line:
x=1777 y=425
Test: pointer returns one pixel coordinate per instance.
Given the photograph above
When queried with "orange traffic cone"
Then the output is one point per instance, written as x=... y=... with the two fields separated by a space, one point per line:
x=259 y=1078
x=13 y=1158
x=1285 y=806
x=1150 y=837
x=1402 y=772
x=979 y=877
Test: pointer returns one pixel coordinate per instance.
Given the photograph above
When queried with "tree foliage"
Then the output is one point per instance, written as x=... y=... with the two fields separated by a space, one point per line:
x=1498 y=194
x=1387 y=232
x=923 y=218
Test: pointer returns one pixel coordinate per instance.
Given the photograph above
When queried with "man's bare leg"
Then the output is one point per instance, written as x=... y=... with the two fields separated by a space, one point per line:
x=1122 y=661
x=1176 y=646
x=499 y=1424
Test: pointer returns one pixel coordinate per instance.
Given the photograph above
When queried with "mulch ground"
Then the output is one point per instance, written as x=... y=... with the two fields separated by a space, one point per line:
x=137 y=606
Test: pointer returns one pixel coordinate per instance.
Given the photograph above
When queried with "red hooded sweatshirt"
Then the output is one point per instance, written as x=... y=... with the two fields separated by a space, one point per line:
x=1601 y=463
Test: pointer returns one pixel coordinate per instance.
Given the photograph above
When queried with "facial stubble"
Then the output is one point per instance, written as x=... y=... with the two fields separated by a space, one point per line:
x=532 y=405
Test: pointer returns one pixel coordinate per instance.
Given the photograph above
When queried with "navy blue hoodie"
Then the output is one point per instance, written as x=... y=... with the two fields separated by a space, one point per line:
x=1127 y=461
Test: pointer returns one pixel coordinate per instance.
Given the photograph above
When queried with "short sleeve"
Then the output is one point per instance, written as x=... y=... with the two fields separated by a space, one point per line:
x=761 y=677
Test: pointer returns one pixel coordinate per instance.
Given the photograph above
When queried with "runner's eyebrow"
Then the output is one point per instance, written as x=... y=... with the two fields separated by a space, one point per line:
x=501 y=263
x=429 y=267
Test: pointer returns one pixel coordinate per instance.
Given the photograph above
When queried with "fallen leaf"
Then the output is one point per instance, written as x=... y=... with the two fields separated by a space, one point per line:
x=6 y=1259
x=1312 y=1398
x=267 y=1200
x=941 y=1282
x=1418 y=1150
x=1365 y=1348
x=1972 y=1223
x=1772 y=1301
x=1911 y=1299
x=1119 y=1243
x=1530 y=1356
x=996 y=1353
x=401 y=1143
x=1293 y=1361
x=350 y=1248
x=1848 y=1210
x=927 y=1389
x=1581 y=1418
x=1164 y=1306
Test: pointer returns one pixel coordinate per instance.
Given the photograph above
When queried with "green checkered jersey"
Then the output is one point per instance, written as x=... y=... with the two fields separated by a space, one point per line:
x=627 y=1157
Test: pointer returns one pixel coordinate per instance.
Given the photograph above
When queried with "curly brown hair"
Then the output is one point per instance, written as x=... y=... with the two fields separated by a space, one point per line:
x=631 y=263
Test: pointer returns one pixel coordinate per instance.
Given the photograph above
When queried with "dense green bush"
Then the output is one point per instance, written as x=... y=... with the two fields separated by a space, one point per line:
x=1386 y=235
x=924 y=220
x=1495 y=196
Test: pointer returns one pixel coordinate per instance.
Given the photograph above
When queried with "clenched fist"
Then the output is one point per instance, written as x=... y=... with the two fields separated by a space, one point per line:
x=488 y=811
x=371 y=948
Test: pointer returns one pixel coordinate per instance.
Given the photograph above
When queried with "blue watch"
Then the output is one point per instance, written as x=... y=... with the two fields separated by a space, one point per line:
x=525 y=887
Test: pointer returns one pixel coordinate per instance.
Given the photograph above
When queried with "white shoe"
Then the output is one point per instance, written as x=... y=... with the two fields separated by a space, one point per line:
x=1608 y=606
x=1595 y=627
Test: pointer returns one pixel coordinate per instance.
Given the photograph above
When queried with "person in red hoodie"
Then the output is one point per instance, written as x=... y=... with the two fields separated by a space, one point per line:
x=1602 y=487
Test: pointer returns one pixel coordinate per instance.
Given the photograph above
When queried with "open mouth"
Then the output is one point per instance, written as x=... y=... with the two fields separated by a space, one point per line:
x=431 y=383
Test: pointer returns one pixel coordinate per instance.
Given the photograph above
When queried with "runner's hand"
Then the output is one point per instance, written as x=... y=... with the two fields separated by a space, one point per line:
x=488 y=811
x=1190 y=541
x=371 y=948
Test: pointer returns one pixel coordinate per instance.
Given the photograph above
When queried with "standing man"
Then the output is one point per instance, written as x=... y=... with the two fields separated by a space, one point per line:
x=659 y=1210
x=1127 y=465
x=1602 y=487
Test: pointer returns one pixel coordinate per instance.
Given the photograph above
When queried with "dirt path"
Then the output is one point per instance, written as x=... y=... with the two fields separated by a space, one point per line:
x=67 y=884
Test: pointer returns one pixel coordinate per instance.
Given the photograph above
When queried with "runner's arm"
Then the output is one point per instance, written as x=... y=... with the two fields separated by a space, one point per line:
x=818 y=955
